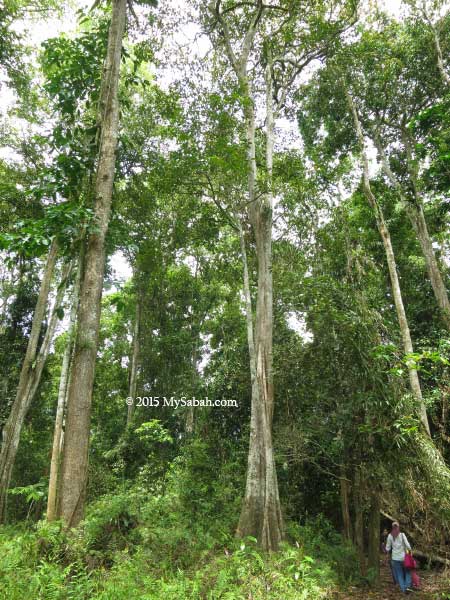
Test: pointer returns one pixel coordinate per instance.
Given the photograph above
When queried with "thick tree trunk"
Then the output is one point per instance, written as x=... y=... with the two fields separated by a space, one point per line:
x=261 y=514
x=392 y=267
x=13 y=426
x=62 y=397
x=76 y=444
x=416 y=216
x=374 y=534
x=248 y=309
x=261 y=511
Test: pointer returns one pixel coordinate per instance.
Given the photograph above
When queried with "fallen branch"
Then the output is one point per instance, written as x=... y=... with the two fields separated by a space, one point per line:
x=431 y=558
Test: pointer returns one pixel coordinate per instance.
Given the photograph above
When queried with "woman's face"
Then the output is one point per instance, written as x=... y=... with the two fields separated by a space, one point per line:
x=396 y=529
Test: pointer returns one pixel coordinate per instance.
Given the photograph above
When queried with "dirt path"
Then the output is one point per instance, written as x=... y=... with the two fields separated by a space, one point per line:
x=435 y=585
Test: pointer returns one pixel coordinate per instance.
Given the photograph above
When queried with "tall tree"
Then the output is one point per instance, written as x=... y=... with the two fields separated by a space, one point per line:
x=261 y=510
x=267 y=47
x=76 y=444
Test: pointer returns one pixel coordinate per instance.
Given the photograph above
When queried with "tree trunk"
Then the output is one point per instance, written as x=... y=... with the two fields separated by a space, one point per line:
x=134 y=361
x=190 y=414
x=345 y=504
x=76 y=445
x=62 y=397
x=434 y=273
x=374 y=534
x=261 y=511
x=19 y=411
x=359 y=520
x=392 y=266
x=402 y=319
x=248 y=310
x=49 y=332
x=445 y=76
x=13 y=426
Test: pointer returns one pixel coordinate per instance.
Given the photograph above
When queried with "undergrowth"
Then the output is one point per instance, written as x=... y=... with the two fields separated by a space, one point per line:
x=171 y=539
x=133 y=548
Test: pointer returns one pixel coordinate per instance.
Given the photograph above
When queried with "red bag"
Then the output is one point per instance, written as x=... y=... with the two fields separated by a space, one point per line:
x=409 y=562
x=415 y=579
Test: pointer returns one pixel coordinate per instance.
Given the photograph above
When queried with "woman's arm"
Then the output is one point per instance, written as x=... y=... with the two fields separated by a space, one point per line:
x=407 y=544
x=389 y=543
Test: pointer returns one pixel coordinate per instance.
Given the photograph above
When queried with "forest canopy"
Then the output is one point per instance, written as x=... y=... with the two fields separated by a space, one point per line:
x=224 y=298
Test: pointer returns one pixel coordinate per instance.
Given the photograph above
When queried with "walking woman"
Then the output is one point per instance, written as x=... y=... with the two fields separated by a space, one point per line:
x=397 y=543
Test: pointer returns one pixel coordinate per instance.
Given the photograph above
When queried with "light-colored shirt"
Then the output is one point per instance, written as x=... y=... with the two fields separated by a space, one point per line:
x=398 y=546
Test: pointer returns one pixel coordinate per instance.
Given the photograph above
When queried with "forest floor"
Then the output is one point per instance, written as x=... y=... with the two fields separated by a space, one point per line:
x=435 y=585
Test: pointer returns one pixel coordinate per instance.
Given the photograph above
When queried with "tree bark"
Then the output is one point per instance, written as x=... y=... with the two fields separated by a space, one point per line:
x=62 y=397
x=190 y=414
x=248 y=309
x=434 y=273
x=76 y=445
x=440 y=61
x=392 y=267
x=13 y=426
x=49 y=332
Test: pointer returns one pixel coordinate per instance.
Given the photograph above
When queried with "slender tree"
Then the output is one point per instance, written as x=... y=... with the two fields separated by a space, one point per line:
x=58 y=434
x=394 y=78
x=135 y=352
x=391 y=262
x=13 y=426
